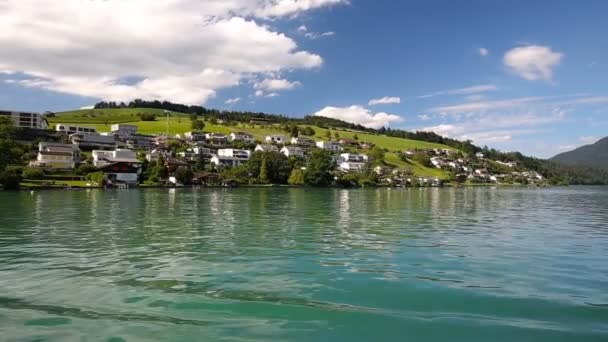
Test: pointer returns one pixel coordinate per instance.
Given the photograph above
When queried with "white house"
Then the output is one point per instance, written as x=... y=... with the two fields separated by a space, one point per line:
x=352 y=162
x=266 y=148
x=333 y=146
x=56 y=156
x=293 y=151
x=71 y=129
x=241 y=136
x=216 y=138
x=479 y=155
x=234 y=153
x=302 y=141
x=102 y=158
x=437 y=162
x=26 y=119
x=195 y=153
x=276 y=139
x=222 y=161
x=194 y=136
x=155 y=154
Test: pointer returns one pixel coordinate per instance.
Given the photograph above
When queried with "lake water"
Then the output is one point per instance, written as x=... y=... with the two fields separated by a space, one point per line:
x=305 y=265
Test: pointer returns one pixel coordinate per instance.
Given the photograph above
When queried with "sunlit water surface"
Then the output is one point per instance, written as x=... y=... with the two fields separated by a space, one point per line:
x=305 y=264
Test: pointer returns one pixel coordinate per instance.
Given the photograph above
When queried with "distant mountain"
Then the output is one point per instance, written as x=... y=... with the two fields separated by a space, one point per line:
x=594 y=156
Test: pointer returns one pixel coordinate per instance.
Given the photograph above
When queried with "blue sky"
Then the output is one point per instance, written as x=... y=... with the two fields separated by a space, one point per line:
x=515 y=75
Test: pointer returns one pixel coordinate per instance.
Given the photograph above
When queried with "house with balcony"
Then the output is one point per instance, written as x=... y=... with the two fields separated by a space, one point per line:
x=122 y=131
x=293 y=151
x=241 y=136
x=26 y=119
x=56 y=156
x=216 y=138
x=332 y=146
x=195 y=136
x=352 y=162
x=90 y=142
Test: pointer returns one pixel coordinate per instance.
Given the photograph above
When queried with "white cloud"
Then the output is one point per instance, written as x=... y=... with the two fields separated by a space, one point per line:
x=481 y=88
x=425 y=117
x=533 y=62
x=359 y=115
x=384 y=100
x=276 y=84
x=259 y=93
x=315 y=35
x=233 y=101
x=182 y=51
x=88 y=107
x=483 y=52
x=480 y=106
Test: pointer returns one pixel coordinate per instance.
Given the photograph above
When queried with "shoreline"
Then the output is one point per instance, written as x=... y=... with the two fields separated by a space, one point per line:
x=279 y=186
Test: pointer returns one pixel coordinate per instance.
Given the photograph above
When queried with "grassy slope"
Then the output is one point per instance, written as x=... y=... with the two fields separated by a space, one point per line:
x=101 y=119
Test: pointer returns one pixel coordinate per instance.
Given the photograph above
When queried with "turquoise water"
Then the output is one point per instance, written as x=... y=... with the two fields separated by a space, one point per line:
x=305 y=265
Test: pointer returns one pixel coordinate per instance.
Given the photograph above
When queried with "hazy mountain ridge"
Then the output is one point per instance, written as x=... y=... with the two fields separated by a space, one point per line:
x=594 y=156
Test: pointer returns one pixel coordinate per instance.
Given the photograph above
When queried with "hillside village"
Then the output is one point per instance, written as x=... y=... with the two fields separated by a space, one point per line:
x=122 y=157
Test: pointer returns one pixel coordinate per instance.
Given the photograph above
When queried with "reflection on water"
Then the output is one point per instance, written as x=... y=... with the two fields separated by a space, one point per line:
x=305 y=264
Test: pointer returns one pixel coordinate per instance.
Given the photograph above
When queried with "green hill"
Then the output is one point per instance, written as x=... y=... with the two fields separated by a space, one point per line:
x=594 y=156
x=179 y=123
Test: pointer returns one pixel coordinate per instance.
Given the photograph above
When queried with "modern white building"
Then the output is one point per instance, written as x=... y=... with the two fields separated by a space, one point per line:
x=234 y=153
x=352 y=162
x=56 y=156
x=71 y=129
x=293 y=151
x=276 y=139
x=93 y=141
x=26 y=119
x=333 y=146
x=241 y=136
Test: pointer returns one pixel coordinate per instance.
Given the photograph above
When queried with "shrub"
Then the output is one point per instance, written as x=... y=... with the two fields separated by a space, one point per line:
x=147 y=117
x=85 y=169
x=33 y=173
x=96 y=177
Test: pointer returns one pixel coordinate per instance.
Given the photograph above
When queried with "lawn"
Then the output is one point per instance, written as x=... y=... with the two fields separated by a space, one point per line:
x=31 y=183
x=419 y=170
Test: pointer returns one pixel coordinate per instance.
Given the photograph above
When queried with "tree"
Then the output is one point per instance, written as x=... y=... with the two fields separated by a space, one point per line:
x=10 y=151
x=378 y=154
x=296 y=177
x=278 y=166
x=184 y=175
x=308 y=131
x=336 y=135
x=198 y=125
x=146 y=117
x=10 y=179
x=320 y=165
x=328 y=134
x=355 y=137
x=264 y=172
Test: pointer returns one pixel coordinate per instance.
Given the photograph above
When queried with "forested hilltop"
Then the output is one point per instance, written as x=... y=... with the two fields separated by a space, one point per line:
x=556 y=171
